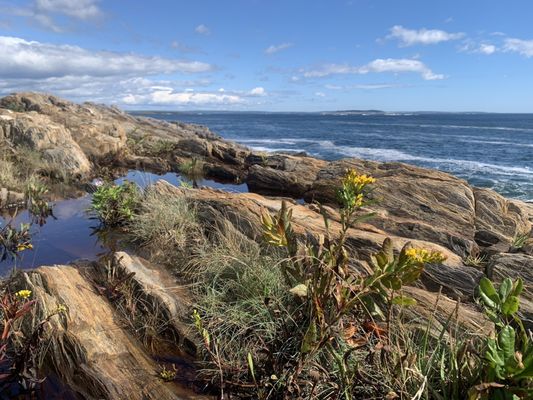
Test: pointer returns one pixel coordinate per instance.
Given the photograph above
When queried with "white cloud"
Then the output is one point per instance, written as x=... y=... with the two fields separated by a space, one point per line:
x=320 y=94
x=487 y=49
x=80 y=9
x=258 y=91
x=370 y=86
x=167 y=97
x=54 y=14
x=410 y=37
x=520 y=46
x=32 y=59
x=202 y=30
x=377 y=66
x=277 y=48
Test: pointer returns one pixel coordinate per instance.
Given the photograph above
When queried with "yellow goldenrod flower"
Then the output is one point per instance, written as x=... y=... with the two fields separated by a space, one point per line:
x=352 y=178
x=23 y=294
x=424 y=256
x=22 y=247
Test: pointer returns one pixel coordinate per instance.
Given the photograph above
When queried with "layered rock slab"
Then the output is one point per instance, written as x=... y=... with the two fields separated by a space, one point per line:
x=93 y=354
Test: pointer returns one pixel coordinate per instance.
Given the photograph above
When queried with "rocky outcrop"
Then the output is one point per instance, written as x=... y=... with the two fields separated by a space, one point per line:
x=411 y=202
x=76 y=133
x=243 y=210
x=39 y=133
x=92 y=353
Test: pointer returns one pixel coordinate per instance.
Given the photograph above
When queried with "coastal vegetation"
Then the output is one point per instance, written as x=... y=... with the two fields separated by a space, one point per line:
x=295 y=317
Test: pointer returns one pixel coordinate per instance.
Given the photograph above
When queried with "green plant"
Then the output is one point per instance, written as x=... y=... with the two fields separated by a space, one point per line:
x=36 y=203
x=164 y=222
x=168 y=375
x=519 y=240
x=308 y=349
x=14 y=241
x=115 y=205
x=192 y=169
x=508 y=362
x=476 y=261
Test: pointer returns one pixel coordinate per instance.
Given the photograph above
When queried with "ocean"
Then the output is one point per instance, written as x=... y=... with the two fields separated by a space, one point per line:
x=487 y=150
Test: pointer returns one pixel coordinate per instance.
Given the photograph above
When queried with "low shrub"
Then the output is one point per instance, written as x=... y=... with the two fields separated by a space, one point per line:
x=115 y=205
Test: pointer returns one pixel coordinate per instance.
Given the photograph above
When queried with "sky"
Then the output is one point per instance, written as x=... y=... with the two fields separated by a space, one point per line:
x=272 y=55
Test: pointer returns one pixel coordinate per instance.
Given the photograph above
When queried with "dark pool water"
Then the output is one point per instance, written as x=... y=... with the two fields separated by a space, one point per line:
x=72 y=234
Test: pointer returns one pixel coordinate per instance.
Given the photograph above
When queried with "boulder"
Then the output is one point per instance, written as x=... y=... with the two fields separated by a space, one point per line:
x=282 y=174
x=53 y=141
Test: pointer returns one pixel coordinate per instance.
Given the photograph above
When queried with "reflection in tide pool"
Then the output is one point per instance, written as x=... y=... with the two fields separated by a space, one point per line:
x=72 y=234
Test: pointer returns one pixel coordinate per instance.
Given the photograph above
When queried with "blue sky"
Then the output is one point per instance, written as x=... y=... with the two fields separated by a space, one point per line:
x=289 y=55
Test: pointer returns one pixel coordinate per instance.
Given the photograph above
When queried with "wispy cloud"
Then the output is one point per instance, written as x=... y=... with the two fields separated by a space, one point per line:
x=50 y=14
x=277 y=48
x=80 y=9
x=471 y=46
x=183 y=48
x=202 y=30
x=32 y=59
x=520 y=46
x=411 y=37
x=379 y=65
x=370 y=86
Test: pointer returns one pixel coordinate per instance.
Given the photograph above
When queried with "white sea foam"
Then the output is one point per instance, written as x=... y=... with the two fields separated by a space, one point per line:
x=467 y=166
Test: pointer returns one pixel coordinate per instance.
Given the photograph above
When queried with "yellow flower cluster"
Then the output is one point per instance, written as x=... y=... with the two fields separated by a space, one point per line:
x=61 y=309
x=22 y=247
x=425 y=256
x=352 y=178
x=23 y=294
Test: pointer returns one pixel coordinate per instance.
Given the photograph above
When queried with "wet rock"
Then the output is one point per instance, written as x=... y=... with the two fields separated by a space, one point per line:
x=92 y=353
x=10 y=199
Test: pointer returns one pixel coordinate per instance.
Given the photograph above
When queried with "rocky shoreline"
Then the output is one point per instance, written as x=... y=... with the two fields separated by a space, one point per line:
x=431 y=209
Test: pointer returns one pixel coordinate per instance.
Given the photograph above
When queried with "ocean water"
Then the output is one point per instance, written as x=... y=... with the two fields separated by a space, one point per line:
x=488 y=150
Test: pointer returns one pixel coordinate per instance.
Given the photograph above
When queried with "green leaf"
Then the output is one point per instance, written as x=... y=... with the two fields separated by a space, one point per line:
x=388 y=249
x=251 y=365
x=404 y=301
x=488 y=293
x=506 y=342
x=309 y=339
x=505 y=288
x=518 y=286
x=511 y=305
